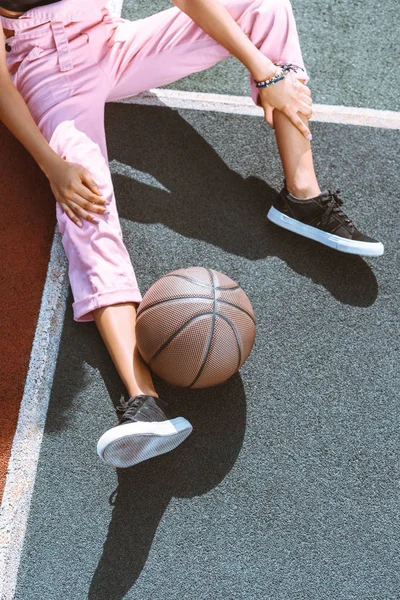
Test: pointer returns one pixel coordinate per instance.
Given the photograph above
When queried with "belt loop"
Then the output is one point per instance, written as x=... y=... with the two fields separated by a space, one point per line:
x=61 y=42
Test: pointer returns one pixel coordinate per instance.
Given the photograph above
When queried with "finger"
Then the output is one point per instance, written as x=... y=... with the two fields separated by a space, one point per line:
x=82 y=209
x=306 y=110
x=301 y=126
x=71 y=215
x=307 y=100
x=88 y=206
x=305 y=89
x=90 y=183
x=83 y=214
x=88 y=196
x=269 y=116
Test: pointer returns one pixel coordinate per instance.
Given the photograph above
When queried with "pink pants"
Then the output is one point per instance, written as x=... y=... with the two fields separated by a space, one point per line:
x=68 y=59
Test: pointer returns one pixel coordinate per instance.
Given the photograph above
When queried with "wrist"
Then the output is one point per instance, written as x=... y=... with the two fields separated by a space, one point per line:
x=263 y=69
x=50 y=162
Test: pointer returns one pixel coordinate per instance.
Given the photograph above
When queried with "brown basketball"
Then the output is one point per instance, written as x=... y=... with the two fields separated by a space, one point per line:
x=195 y=327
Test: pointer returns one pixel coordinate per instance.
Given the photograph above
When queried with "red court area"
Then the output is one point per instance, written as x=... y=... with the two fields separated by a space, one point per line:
x=27 y=219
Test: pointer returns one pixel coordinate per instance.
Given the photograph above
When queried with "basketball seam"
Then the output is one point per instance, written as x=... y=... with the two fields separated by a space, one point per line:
x=238 y=308
x=211 y=334
x=236 y=337
x=173 y=336
x=141 y=312
x=201 y=284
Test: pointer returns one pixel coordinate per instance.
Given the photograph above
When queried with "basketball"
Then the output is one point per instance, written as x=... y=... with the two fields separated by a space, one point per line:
x=195 y=327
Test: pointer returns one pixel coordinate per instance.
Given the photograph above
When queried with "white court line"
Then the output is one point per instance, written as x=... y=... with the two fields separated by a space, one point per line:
x=29 y=433
x=22 y=466
x=25 y=450
x=243 y=105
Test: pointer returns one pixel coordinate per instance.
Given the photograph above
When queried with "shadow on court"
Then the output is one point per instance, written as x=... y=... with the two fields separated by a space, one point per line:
x=218 y=417
x=286 y=482
x=206 y=200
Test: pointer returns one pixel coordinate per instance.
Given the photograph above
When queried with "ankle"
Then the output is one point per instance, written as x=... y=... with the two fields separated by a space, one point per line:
x=303 y=190
x=141 y=391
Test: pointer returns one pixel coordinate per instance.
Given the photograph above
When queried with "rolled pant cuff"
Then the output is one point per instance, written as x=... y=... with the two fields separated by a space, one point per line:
x=83 y=308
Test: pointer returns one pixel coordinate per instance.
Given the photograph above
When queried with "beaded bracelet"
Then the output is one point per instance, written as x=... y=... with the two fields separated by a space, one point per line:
x=284 y=72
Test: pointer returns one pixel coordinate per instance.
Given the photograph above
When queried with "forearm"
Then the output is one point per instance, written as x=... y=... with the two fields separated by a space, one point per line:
x=16 y=117
x=214 y=19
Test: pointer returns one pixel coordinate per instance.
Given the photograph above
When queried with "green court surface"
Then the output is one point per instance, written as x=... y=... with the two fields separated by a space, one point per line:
x=288 y=487
x=350 y=48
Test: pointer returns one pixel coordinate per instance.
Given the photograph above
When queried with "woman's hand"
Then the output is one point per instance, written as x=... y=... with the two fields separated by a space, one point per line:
x=291 y=97
x=76 y=192
x=72 y=185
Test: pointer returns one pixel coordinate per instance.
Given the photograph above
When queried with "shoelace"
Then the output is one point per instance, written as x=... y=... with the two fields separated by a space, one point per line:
x=332 y=202
x=129 y=407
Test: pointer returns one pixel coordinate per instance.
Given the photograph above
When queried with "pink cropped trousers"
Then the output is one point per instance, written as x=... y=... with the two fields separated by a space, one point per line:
x=68 y=59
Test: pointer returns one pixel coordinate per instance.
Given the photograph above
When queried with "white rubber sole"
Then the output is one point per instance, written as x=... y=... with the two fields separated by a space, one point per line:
x=328 y=239
x=131 y=443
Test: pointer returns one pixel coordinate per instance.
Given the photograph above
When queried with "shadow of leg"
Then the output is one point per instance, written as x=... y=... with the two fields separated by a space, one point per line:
x=194 y=193
x=144 y=491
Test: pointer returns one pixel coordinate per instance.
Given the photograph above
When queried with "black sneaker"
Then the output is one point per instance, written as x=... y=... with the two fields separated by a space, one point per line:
x=145 y=430
x=322 y=219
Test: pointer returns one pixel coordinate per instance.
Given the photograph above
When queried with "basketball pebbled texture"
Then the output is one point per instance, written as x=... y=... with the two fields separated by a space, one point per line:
x=195 y=327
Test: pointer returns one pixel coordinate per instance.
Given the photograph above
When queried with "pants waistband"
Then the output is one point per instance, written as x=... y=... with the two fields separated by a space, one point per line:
x=55 y=29
x=38 y=21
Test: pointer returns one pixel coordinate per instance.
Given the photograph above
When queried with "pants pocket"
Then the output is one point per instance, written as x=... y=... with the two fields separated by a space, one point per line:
x=41 y=83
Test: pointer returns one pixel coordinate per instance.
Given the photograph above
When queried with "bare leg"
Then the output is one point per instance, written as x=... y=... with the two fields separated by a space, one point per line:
x=117 y=328
x=296 y=157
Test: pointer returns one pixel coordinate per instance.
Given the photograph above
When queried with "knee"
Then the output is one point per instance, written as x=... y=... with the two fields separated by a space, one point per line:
x=86 y=149
x=280 y=4
x=269 y=22
x=275 y=6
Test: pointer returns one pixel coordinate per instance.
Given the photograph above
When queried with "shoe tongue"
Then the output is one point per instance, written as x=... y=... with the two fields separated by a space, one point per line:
x=323 y=194
x=132 y=402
